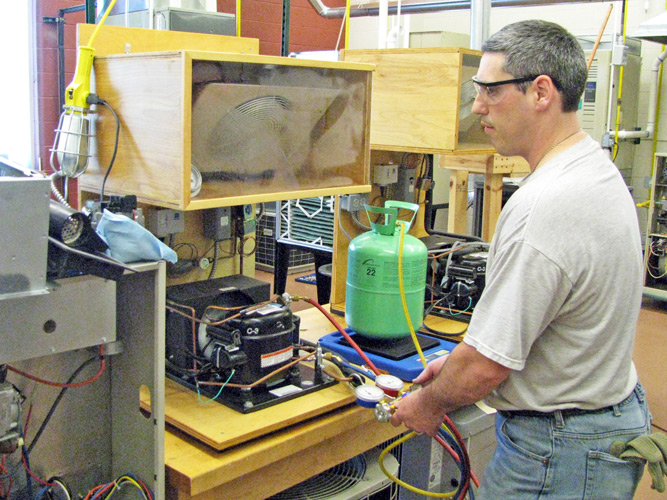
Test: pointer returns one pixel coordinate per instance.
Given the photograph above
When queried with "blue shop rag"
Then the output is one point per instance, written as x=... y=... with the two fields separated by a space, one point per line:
x=129 y=241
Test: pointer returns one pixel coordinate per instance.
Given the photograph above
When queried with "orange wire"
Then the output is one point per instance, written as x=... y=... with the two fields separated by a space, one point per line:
x=100 y=489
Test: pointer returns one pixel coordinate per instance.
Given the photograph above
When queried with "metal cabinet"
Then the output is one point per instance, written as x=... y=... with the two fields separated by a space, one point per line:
x=655 y=248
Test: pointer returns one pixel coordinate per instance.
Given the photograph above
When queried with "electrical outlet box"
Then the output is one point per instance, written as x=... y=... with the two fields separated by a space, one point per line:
x=165 y=221
x=217 y=223
x=383 y=175
x=244 y=218
x=405 y=191
x=353 y=202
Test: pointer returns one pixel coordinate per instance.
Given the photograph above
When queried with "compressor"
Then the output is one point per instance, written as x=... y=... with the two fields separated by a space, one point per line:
x=373 y=301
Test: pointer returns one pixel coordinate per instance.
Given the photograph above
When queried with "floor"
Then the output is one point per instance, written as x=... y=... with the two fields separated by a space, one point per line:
x=650 y=356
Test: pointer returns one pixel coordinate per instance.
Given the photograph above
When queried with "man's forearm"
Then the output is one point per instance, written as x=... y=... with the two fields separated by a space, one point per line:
x=475 y=377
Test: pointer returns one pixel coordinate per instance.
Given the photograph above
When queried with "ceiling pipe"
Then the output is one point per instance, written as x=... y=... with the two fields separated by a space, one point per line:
x=424 y=7
x=480 y=14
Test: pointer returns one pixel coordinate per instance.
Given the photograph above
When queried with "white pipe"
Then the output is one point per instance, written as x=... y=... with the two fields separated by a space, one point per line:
x=382 y=24
x=480 y=11
x=652 y=107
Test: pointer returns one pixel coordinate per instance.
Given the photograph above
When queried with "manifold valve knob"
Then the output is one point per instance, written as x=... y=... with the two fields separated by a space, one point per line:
x=382 y=412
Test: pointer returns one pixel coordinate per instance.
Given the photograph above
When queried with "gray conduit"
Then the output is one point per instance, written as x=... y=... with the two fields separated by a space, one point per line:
x=420 y=8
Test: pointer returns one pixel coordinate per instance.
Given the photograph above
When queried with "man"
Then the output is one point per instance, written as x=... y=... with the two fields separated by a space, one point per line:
x=550 y=342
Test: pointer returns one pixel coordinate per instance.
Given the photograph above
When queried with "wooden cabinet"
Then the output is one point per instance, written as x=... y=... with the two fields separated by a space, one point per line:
x=256 y=128
x=422 y=100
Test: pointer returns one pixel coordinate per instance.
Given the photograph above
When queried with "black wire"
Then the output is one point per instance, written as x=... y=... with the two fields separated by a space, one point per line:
x=433 y=331
x=28 y=477
x=57 y=401
x=115 y=146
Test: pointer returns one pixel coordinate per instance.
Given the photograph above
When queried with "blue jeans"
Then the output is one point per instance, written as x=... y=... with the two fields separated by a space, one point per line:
x=566 y=456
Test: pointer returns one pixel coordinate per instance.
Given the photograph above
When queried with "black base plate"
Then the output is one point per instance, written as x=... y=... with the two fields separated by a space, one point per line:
x=394 y=349
x=259 y=397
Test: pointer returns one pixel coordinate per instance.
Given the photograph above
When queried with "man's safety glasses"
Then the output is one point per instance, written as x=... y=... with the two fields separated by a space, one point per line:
x=491 y=92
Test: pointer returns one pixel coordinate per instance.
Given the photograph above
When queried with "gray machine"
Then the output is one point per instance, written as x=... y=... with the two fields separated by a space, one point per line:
x=50 y=326
x=426 y=465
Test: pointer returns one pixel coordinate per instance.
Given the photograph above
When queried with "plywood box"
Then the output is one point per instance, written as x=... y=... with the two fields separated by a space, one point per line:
x=422 y=100
x=257 y=128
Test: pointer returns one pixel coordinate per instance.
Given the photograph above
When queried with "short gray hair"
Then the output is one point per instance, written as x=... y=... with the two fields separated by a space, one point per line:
x=539 y=47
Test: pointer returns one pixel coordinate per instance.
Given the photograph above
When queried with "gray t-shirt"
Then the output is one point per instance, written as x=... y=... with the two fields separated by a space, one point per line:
x=563 y=287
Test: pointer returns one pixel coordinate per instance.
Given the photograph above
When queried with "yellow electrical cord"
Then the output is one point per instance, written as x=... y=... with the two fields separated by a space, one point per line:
x=99 y=25
x=76 y=94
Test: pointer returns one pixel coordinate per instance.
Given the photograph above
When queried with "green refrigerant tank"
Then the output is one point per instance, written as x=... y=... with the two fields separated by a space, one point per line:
x=373 y=304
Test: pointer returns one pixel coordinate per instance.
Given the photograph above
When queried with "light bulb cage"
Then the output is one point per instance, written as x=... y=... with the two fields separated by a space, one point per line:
x=71 y=145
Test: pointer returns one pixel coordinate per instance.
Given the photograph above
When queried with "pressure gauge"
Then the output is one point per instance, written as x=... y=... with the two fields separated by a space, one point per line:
x=368 y=395
x=389 y=384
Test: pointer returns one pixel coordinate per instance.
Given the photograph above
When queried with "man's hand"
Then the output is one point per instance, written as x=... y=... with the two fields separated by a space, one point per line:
x=450 y=382
x=418 y=412
x=431 y=370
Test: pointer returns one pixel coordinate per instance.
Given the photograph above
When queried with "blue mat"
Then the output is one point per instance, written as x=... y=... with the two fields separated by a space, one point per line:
x=309 y=278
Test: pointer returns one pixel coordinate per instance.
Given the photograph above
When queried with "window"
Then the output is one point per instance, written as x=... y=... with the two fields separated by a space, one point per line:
x=17 y=125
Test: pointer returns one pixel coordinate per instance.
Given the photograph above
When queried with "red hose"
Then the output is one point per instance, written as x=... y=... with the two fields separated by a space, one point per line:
x=346 y=335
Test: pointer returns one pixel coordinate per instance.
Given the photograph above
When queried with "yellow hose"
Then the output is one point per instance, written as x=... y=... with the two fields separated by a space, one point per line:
x=404 y=302
x=403 y=483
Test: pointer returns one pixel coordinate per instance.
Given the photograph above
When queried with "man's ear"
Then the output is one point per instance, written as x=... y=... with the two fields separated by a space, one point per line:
x=545 y=91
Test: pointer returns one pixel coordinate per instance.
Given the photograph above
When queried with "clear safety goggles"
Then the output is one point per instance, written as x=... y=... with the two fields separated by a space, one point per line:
x=491 y=92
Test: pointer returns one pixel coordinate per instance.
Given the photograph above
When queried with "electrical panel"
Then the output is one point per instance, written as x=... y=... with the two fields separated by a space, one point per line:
x=655 y=249
x=217 y=223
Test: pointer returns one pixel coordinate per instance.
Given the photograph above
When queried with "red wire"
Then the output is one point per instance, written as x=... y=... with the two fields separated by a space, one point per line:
x=99 y=489
x=449 y=449
x=347 y=336
x=6 y=472
x=148 y=491
x=460 y=440
x=32 y=475
x=58 y=384
x=27 y=420
x=456 y=457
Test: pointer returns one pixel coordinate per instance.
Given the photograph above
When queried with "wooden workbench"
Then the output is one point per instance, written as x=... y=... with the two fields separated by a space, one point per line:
x=269 y=464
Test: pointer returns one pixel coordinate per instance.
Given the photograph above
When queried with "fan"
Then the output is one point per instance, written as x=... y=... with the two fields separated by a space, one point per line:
x=354 y=479
x=245 y=132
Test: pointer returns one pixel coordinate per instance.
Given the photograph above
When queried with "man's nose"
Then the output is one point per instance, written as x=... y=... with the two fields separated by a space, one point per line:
x=479 y=107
